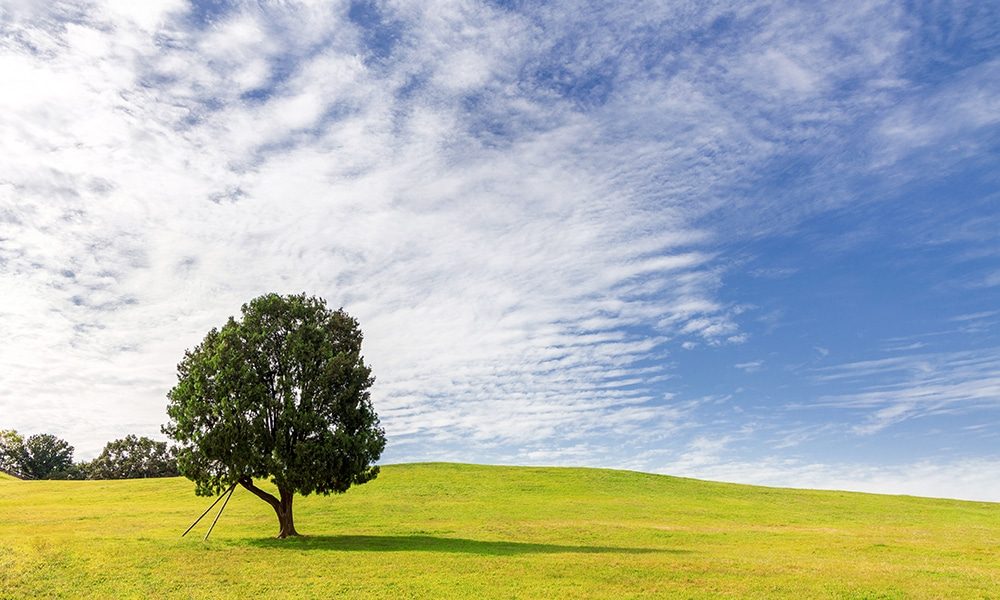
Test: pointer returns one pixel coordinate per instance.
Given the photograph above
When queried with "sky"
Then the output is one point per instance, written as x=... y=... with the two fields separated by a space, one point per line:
x=749 y=242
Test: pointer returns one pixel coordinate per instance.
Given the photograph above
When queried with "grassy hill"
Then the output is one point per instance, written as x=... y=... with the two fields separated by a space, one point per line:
x=467 y=531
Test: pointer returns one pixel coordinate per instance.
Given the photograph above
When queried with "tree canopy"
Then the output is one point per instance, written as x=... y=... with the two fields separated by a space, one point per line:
x=280 y=394
x=11 y=447
x=133 y=457
x=40 y=456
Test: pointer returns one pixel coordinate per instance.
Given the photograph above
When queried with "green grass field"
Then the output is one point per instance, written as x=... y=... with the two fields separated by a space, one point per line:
x=467 y=531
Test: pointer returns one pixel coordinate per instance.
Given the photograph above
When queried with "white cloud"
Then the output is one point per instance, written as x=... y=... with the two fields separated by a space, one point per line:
x=750 y=366
x=941 y=122
x=964 y=479
x=899 y=388
x=147 y=200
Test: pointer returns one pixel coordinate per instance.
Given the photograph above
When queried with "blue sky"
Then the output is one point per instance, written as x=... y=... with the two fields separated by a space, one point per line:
x=754 y=242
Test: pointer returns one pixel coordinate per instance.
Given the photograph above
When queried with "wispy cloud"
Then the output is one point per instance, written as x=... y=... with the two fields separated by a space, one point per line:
x=157 y=175
x=750 y=366
x=896 y=389
x=967 y=479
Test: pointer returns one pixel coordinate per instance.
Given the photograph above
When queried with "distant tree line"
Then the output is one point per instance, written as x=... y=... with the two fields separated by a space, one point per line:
x=44 y=456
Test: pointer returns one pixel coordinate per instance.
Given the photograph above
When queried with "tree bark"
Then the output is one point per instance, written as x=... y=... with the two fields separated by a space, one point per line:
x=282 y=507
x=285 y=518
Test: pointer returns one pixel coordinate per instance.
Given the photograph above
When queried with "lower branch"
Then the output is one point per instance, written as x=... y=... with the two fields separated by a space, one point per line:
x=247 y=483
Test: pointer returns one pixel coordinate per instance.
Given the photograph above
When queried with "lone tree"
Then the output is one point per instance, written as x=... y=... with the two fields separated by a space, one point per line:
x=280 y=394
x=133 y=458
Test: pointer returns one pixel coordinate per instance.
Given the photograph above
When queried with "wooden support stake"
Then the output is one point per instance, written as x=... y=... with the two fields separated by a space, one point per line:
x=208 y=509
x=209 y=532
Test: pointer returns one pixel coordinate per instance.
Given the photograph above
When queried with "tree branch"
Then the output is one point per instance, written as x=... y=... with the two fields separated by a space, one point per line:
x=247 y=483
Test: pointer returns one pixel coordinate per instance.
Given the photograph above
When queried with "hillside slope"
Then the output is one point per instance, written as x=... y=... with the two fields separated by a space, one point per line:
x=448 y=530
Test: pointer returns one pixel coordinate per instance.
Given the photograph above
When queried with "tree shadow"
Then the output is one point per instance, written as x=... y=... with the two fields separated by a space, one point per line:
x=427 y=543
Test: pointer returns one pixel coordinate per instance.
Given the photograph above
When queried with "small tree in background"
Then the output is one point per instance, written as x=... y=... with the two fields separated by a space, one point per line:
x=44 y=456
x=11 y=451
x=280 y=394
x=73 y=471
x=133 y=458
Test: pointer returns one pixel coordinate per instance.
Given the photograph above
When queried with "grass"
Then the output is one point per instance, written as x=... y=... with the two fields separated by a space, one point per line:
x=467 y=531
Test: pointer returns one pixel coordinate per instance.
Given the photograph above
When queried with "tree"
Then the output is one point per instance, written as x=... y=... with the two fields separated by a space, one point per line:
x=73 y=471
x=280 y=394
x=133 y=458
x=11 y=451
x=43 y=456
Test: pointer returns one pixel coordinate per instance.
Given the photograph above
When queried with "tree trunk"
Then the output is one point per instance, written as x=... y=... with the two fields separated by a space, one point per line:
x=282 y=507
x=285 y=518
